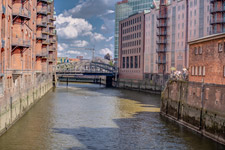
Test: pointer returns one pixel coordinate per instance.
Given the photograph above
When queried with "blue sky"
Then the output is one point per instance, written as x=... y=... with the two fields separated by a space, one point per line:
x=85 y=23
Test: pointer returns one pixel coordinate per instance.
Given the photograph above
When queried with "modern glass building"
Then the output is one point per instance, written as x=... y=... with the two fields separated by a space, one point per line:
x=124 y=9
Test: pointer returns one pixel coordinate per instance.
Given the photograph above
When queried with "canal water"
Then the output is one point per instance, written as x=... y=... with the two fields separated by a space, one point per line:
x=91 y=117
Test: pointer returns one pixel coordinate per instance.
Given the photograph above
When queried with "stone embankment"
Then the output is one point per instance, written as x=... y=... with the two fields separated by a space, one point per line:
x=198 y=106
x=138 y=85
x=14 y=105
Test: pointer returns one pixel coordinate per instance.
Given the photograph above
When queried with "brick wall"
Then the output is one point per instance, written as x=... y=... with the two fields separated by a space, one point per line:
x=206 y=61
x=196 y=105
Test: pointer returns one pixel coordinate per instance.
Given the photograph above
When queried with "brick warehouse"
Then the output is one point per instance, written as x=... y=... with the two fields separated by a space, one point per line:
x=206 y=59
x=131 y=47
x=28 y=55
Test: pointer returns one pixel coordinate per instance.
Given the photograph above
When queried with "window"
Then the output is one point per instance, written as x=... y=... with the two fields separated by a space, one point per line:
x=123 y=62
x=200 y=50
x=220 y=47
x=200 y=71
x=136 y=62
x=223 y=71
x=203 y=70
x=196 y=51
x=131 y=62
x=192 y=71
x=196 y=71
x=127 y=62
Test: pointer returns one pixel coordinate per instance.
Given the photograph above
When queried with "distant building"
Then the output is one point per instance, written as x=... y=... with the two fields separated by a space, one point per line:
x=124 y=9
x=61 y=60
x=217 y=19
x=80 y=57
x=168 y=28
x=74 y=60
x=131 y=47
x=207 y=59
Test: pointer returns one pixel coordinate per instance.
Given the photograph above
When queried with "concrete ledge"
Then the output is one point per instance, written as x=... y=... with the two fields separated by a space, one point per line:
x=24 y=102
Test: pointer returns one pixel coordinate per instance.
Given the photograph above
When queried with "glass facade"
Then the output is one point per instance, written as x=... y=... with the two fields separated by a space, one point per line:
x=123 y=11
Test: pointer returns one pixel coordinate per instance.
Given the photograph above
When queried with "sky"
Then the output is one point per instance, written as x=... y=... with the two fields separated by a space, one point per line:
x=87 y=24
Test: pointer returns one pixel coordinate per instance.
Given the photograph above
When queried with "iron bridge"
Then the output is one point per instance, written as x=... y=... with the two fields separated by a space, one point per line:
x=86 y=68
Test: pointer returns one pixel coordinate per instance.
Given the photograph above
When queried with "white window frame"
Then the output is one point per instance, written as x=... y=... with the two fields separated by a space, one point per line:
x=192 y=70
x=223 y=71
x=203 y=71
x=200 y=70
x=220 y=47
x=196 y=70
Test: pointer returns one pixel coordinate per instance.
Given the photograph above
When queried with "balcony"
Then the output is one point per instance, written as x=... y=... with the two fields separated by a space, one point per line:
x=52 y=41
x=161 y=62
x=162 y=50
x=43 y=55
x=217 y=21
x=42 y=24
x=217 y=10
x=50 y=1
x=162 y=33
x=51 y=60
x=51 y=33
x=43 y=1
x=42 y=11
x=51 y=25
x=161 y=42
x=21 y=12
x=213 y=1
x=52 y=18
x=45 y=31
x=49 y=11
x=162 y=16
x=46 y=42
x=51 y=49
x=17 y=42
x=162 y=25
x=41 y=37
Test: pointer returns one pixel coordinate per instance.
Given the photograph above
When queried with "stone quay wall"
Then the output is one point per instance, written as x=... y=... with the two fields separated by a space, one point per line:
x=138 y=85
x=13 y=106
x=198 y=106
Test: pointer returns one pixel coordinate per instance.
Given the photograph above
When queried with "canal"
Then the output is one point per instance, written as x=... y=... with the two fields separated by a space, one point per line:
x=91 y=117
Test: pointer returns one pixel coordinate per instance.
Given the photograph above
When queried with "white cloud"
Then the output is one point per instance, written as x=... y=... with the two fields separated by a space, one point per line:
x=69 y=28
x=90 y=8
x=74 y=52
x=110 y=11
x=103 y=27
x=62 y=46
x=105 y=51
x=109 y=39
x=79 y=43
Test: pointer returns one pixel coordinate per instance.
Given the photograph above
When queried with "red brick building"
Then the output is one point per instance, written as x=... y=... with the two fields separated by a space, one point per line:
x=217 y=16
x=131 y=47
x=207 y=59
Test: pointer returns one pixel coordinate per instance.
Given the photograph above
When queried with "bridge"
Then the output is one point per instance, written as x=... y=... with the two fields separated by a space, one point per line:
x=86 y=69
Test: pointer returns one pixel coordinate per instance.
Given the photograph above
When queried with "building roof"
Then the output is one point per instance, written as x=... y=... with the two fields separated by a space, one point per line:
x=207 y=38
x=122 y=2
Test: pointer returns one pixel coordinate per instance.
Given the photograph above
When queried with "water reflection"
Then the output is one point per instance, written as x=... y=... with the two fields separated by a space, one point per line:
x=91 y=117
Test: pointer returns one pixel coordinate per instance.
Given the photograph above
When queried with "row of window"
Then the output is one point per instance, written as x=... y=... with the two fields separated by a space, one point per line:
x=131 y=29
x=198 y=50
x=198 y=70
x=131 y=51
x=131 y=22
x=132 y=62
x=133 y=43
x=132 y=36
